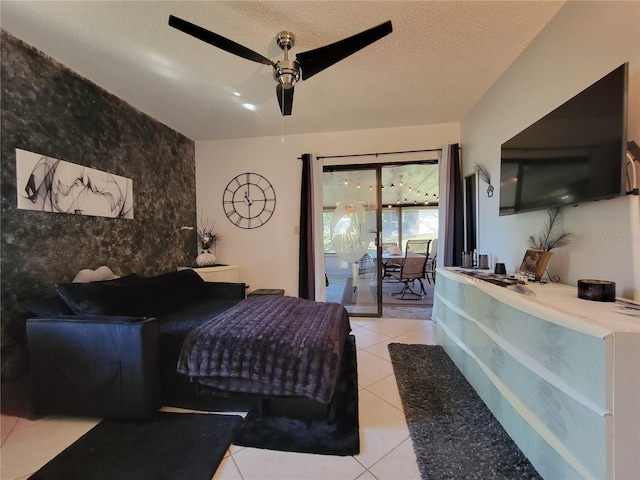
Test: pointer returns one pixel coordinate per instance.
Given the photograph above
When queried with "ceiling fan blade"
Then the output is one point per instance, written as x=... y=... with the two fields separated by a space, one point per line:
x=217 y=40
x=285 y=99
x=314 y=61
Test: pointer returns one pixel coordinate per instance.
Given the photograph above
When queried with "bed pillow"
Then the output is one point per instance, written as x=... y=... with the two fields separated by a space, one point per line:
x=177 y=288
x=126 y=280
x=133 y=296
x=108 y=298
x=56 y=306
x=49 y=306
x=97 y=275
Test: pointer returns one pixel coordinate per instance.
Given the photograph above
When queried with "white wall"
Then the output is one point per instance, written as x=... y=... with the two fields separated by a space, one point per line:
x=582 y=43
x=268 y=255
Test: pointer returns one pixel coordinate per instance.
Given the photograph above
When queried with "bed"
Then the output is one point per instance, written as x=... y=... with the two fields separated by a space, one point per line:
x=176 y=340
x=269 y=346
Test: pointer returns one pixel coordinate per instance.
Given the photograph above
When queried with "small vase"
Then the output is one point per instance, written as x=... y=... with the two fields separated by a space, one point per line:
x=206 y=259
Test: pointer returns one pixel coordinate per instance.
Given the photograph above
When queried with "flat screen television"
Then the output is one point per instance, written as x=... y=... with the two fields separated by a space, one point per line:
x=574 y=154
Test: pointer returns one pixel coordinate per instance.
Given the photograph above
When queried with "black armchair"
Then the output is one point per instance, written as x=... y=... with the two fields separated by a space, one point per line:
x=116 y=357
x=103 y=367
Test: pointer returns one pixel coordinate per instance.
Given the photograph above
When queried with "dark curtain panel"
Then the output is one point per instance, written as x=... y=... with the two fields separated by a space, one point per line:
x=306 y=275
x=454 y=240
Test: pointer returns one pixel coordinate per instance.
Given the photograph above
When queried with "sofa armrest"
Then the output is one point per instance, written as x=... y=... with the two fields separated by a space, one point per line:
x=102 y=366
x=225 y=290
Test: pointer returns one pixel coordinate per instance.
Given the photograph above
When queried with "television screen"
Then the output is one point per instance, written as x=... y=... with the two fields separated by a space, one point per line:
x=571 y=155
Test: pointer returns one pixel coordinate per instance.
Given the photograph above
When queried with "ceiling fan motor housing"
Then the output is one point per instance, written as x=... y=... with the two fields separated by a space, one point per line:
x=286 y=72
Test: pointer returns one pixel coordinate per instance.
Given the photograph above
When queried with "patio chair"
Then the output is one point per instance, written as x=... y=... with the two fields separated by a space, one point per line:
x=390 y=264
x=413 y=268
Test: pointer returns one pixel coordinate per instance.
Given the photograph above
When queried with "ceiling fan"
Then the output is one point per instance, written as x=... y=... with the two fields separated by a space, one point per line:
x=287 y=72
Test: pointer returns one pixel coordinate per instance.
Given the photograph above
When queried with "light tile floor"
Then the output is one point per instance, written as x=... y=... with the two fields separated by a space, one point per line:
x=386 y=452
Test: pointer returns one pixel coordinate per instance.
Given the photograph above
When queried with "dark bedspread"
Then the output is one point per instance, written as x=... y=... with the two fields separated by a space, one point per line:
x=269 y=345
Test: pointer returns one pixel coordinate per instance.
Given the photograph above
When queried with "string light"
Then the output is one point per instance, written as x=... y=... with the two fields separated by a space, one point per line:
x=409 y=189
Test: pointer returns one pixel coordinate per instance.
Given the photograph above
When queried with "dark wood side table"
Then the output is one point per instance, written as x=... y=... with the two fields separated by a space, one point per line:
x=267 y=291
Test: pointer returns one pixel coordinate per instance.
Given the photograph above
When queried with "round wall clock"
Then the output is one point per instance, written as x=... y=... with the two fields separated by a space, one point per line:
x=249 y=200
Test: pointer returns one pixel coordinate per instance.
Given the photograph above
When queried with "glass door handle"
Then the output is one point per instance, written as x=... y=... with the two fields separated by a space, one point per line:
x=378 y=237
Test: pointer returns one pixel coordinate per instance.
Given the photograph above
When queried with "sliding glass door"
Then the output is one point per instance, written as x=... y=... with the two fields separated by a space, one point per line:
x=369 y=213
x=350 y=230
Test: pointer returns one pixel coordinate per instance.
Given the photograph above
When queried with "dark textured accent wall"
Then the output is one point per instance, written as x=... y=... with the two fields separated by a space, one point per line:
x=48 y=109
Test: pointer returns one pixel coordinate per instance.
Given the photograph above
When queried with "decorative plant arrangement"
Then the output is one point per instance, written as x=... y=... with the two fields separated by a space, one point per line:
x=551 y=236
x=208 y=238
x=485 y=176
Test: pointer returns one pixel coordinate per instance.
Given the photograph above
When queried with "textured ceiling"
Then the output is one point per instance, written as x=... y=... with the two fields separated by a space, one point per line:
x=439 y=60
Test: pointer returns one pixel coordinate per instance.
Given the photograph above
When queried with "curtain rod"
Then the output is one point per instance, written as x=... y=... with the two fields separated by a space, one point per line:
x=377 y=154
x=380 y=153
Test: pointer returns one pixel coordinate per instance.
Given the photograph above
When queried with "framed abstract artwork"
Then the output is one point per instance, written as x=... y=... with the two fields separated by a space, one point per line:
x=47 y=184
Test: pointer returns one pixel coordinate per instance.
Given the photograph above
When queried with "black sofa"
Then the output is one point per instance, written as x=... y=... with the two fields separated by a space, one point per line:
x=109 y=349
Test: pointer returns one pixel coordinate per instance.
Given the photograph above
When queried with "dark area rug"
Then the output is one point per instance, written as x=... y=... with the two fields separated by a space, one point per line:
x=171 y=446
x=454 y=433
x=337 y=437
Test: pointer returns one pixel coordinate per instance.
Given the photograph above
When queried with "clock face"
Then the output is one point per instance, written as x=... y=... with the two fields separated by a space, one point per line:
x=249 y=200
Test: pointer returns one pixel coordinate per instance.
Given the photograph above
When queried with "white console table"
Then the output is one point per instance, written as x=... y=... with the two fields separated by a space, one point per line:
x=561 y=374
x=218 y=273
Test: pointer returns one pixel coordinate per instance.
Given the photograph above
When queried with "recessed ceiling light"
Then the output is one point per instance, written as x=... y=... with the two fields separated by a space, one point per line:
x=249 y=106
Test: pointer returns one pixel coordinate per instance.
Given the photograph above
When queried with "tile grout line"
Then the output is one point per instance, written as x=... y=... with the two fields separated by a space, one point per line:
x=387 y=454
x=378 y=396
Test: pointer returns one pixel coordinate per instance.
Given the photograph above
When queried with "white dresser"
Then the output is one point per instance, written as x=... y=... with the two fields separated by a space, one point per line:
x=218 y=273
x=561 y=374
